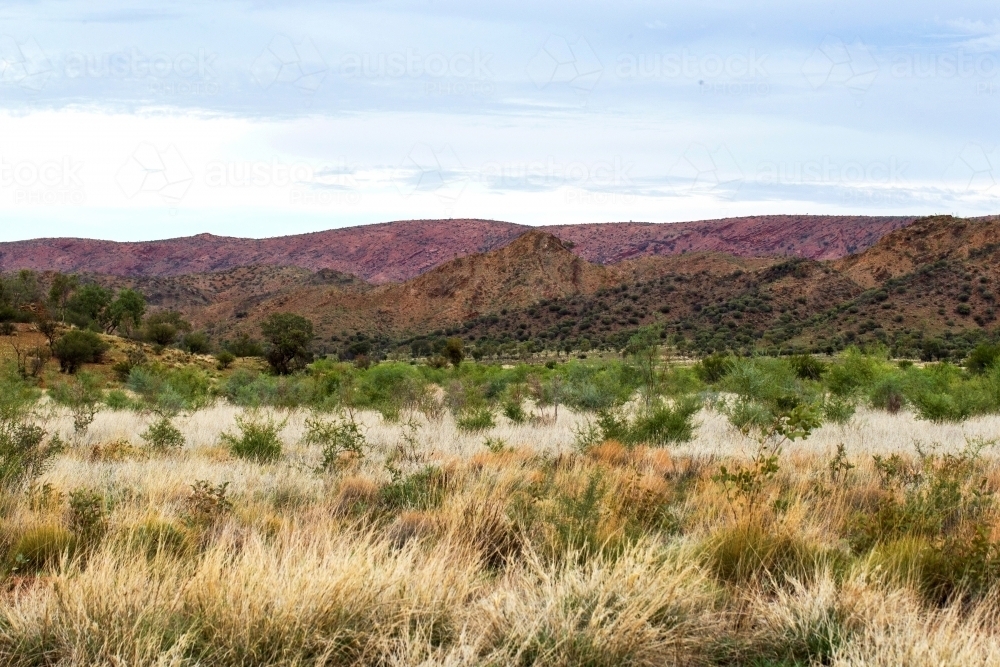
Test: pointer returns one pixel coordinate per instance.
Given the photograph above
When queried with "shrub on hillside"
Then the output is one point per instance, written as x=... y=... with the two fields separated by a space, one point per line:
x=75 y=348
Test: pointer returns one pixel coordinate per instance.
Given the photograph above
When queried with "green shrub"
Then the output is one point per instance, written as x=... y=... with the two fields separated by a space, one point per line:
x=83 y=396
x=337 y=439
x=196 y=342
x=714 y=367
x=807 y=367
x=475 y=421
x=87 y=517
x=423 y=490
x=75 y=348
x=162 y=435
x=664 y=424
x=116 y=399
x=258 y=438
x=660 y=424
x=838 y=410
x=23 y=455
x=514 y=412
x=224 y=360
x=982 y=358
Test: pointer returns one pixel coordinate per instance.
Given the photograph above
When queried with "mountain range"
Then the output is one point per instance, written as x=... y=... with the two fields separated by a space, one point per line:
x=399 y=251
x=770 y=283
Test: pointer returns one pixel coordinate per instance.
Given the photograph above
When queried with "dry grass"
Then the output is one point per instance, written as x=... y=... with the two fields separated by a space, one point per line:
x=533 y=555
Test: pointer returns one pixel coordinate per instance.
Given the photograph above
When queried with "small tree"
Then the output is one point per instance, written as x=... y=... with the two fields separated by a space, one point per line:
x=289 y=338
x=76 y=348
x=127 y=311
x=454 y=351
x=644 y=350
x=59 y=292
x=163 y=327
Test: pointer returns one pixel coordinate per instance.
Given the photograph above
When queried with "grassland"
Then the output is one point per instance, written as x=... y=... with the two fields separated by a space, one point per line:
x=836 y=513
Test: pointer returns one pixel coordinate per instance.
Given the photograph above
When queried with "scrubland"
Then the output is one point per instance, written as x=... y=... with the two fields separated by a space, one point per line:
x=747 y=512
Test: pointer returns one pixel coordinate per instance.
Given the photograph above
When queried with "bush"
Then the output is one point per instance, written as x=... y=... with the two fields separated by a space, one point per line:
x=22 y=453
x=713 y=368
x=750 y=552
x=156 y=536
x=664 y=424
x=207 y=504
x=224 y=360
x=339 y=440
x=807 y=367
x=196 y=342
x=982 y=358
x=244 y=346
x=76 y=348
x=258 y=439
x=475 y=421
x=513 y=411
x=163 y=435
x=87 y=518
x=661 y=424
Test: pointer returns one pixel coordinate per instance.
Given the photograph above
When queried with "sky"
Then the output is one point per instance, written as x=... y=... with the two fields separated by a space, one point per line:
x=145 y=120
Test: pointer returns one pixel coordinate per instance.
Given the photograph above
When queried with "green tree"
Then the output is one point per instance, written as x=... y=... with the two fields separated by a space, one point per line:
x=162 y=328
x=454 y=351
x=76 y=348
x=643 y=349
x=62 y=287
x=289 y=338
x=90 y=305
x=127 y=311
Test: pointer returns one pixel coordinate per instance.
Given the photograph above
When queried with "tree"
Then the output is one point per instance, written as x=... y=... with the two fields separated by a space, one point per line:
x=454 y=351
x=644 y=350
x=90 y=305
x=289 y=338
x=162 y=328
x=76 y=348
x=196 y=342
x=982 y=358
x=127 y=311
x=59 y=292
x=243 y=346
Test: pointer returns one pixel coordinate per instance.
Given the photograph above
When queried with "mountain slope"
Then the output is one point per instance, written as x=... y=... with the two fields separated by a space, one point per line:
x=398 y=251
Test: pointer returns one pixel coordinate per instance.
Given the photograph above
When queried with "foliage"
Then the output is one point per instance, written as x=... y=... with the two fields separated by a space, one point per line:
x=83 y=395
x=340 y=441
x=162 y=435
x=289 y=339
x=23 y=454
x=476 y=420
x=258 y=439
x=75 y=348
x=87 y=517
